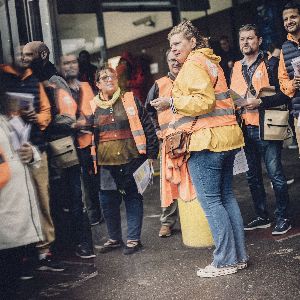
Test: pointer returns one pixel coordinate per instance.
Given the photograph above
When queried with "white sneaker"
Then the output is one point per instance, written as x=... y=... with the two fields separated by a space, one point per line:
x=211 y=271
x=242 y=265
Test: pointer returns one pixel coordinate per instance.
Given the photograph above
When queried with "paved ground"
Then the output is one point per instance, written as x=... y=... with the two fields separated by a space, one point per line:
x=166 y=269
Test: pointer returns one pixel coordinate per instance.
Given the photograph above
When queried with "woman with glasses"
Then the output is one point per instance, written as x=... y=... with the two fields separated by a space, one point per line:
x=202 y=105
x=125 y=138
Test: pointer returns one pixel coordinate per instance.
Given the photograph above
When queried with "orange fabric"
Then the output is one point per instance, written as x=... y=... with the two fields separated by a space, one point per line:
x=286 y=85
x=4 y=170
x=134 y=122
x=260 y=79
x=65 y=104
x=44 y=116
x=176 y=181
x=165 y=85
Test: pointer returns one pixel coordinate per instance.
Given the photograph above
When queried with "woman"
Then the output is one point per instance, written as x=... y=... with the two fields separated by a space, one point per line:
x=19 y=218
x=125 y=138
x=202 y=105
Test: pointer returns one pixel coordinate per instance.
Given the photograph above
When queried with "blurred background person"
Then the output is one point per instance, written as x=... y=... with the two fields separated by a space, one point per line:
x=87 y=70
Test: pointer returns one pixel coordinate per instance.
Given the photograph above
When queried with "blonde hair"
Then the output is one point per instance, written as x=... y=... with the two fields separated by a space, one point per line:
x=190 y=31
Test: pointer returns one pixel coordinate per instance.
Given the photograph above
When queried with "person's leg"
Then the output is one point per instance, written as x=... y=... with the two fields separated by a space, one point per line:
x=203 y=166
x=254 y=175
x=110 y=202
x=40 y=178
x=272 y=158
x=91 y=186
x=168 y=219
x=10 y=266
x=232 y=207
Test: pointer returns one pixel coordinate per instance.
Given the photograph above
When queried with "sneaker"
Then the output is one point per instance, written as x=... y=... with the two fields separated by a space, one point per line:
x=282 y=227
x=165 y=231
x=258 y=223
x=48 y=263
x=211 y=271
x=242 y=265
x=84 y=251
x=132 y=247
x=293 y=145
x=110 y=245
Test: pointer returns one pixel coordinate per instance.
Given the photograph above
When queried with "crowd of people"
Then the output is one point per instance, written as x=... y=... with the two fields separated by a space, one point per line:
x=88 y=132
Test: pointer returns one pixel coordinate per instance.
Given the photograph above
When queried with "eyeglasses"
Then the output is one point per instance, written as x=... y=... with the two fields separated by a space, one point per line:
x=106 y=78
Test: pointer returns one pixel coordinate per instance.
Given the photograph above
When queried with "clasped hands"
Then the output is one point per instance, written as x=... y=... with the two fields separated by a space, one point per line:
x=161 y=103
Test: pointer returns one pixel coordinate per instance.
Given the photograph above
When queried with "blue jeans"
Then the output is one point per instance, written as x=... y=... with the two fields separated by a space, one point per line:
x=270 y=151
x=110 y=202
x=212 y=174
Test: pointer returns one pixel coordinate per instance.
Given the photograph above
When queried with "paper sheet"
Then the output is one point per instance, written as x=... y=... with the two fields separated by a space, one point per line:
x=296 y=66
x=238 y=100
x=240 y=164
x=143 y=176
x=20 y=134
x=25 y=100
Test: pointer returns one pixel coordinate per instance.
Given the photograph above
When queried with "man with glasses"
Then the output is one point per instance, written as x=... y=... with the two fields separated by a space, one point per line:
x=158 y=106
x=249 y=76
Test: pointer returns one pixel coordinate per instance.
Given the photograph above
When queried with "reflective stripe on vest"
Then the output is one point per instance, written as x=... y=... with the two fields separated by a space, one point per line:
x=86 y=95
x=134 y=122
x=260 y=79
x=5 y=174
x=165 y=85
x=223 y=113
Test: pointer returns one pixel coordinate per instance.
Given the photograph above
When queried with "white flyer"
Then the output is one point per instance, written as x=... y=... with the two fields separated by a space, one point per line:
x=240 y=164
x=20 y=134
x=296 y=66
x=143 y=176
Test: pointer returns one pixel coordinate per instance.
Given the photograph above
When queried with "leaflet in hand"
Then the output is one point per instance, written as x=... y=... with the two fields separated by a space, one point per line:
x=25 y=100
x=296 y=66
x=240 y=164
x=20 y=133
x=143 y=176
x=238 y=100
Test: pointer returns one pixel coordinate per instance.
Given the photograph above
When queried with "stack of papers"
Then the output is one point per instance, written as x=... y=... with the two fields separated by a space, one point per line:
x=20 y=133
x=238 y=100
x=143 y=176
x=240 y=164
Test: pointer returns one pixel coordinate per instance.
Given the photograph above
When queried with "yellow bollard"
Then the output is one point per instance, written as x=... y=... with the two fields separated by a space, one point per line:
x=194 y=226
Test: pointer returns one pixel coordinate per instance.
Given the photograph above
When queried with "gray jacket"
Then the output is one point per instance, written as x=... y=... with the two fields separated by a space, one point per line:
x=19 y=216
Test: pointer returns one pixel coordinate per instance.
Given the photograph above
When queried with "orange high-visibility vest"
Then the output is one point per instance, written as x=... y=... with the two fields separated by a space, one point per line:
x=260 y=79
x=134 y=122
x=4 y=170
x=223 y=113
x=165 y=85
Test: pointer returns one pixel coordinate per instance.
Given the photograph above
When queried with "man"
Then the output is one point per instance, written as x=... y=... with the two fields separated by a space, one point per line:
x=290 y=82
x=20 y=79
x=82 y=93
x=158 y=106
x=87 y=71
x=228 y=57
x=248 y=77
x=66 y=182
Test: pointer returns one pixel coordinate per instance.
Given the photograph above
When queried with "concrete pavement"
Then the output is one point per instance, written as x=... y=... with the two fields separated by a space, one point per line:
x=166 y=269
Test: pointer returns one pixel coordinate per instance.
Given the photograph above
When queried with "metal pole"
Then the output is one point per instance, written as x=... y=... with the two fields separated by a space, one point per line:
x=175 y=11
x=100 y=24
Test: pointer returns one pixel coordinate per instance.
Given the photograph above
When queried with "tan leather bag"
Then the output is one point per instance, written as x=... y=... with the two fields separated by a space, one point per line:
x=63 y=153
x=177 y=144
x=273 y=122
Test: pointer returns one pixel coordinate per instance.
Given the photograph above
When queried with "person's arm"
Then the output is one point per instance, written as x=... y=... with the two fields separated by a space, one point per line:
x=152 y=94
x=193 y=92
x=152 y=145
x=272 y=101
x=286 y=84
x=44 y=116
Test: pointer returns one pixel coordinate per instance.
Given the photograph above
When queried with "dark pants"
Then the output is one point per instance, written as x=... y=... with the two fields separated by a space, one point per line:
x=68 y=211
x=91 y=185
x=270 y=152
x=10 y=272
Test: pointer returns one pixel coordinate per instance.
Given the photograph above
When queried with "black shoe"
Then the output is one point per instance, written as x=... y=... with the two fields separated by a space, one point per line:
x=134 y=247
x=26 y=271
x=282 y=227
x=49 y=263
x=110 y=245
x=258 y=223
x=84 y=251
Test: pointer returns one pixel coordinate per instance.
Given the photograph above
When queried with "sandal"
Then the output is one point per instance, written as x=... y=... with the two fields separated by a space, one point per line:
x=111 y=245
x=132 y=247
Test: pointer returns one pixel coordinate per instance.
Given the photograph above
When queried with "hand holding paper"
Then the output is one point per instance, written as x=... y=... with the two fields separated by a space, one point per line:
x=238 y=100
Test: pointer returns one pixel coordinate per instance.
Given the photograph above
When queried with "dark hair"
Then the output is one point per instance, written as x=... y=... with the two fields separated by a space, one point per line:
x=224 y=37
x=249 y=27
x=84 y=52
x=271 y=47
x=103 y=68
x=190 y=31
x=291 y=5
